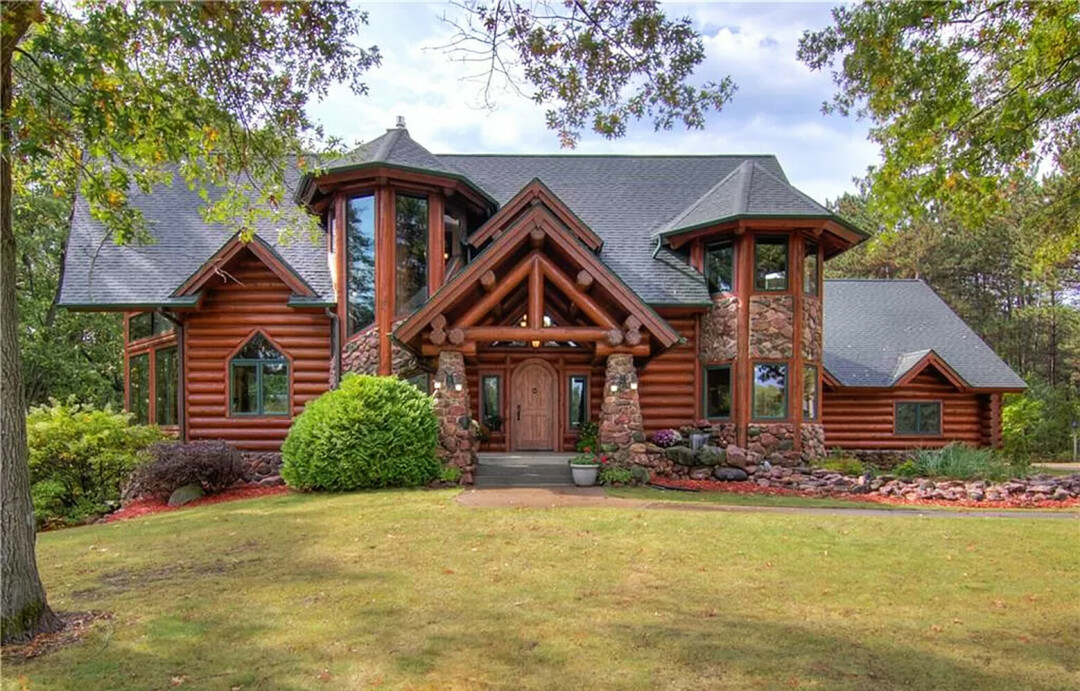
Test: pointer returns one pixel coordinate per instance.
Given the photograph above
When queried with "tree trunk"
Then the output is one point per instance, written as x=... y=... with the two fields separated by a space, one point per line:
x=25 y=612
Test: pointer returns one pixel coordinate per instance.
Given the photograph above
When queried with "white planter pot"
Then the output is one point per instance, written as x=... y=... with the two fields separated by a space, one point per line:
x=584 y=475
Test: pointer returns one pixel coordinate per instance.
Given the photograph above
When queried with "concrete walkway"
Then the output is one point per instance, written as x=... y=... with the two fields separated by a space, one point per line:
x=595 y=497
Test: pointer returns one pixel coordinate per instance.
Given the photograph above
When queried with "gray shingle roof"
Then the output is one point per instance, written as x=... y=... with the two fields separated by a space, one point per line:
x=394 y=148
x=100 y=273
x=876 y=330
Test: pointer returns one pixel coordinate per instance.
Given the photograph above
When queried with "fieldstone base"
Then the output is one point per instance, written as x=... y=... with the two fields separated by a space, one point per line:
x=775 y=442
x=813 y=441
x=262 y=468
x=620 y=415
x=458 y=441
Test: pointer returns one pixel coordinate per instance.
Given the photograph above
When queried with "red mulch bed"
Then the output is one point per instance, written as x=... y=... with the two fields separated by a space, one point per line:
x=753 y=488
x=146 y=507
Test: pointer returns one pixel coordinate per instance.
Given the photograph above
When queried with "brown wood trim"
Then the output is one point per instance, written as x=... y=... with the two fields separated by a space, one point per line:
x=743 y=372
x=535 y=315
x=995 y=420
x=928 y=360
x=796 y=260
x=536 y=191
x=349 y=181
x=385 y=266
x=228 y=382
x=436 y=243
x=230 y=249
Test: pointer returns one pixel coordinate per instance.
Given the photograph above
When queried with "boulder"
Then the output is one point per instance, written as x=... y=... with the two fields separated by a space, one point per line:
x=736 y=457
x=730 y=474
x=679 y=454
x=702 y=473
x=709 y=456
x=185 y=494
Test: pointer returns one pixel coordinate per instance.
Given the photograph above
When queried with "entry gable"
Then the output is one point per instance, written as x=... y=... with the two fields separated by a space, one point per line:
x=536 y=265
x=534 y=194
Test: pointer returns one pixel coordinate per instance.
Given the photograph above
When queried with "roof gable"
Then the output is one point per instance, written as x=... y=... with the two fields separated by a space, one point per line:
x=262 y=251
x=536 y=193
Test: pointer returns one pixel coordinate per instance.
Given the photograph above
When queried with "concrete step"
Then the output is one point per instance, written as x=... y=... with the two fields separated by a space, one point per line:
x=522 y=476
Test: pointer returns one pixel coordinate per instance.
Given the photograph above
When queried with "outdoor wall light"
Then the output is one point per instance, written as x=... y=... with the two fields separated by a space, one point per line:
x=438 y=384
x=623 y=382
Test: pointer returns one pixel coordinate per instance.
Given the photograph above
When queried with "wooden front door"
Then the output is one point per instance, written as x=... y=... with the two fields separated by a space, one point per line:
x=533 y=408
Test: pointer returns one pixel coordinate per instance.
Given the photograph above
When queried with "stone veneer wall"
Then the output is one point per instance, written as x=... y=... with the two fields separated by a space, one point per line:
x=361 y=354
x=812 y=330
x=772 y=319
x=720 y=329
x=813 y=440
x=774 y=441
x=458 y=441
x=620 y=415
x=262 y=467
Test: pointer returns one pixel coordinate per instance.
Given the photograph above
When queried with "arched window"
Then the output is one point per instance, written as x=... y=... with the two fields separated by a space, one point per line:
x=259 y=379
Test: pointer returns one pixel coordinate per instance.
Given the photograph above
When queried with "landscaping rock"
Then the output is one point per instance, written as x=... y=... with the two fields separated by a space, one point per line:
x=730 y=474
x=679 y=454
x=186 y=494
x=736 y=457
x=710 y=456
x=701 y=473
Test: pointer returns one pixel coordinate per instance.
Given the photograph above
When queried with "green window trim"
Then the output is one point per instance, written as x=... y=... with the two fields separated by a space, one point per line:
x=705 y=392
x=920 y=409
x=783 y=415
x=583 y=417
x=263 y=358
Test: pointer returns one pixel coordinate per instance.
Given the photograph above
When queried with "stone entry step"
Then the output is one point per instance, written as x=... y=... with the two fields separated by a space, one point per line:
x=522 y=470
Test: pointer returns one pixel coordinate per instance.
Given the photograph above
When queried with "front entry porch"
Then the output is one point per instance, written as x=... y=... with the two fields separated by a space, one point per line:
x=524 y=469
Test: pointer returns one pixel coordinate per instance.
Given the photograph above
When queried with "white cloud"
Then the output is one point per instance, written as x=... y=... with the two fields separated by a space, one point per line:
x=775 y=110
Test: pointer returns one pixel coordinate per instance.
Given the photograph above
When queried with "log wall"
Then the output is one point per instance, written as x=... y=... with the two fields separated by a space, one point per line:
x=668 y=389
x=864 y=419
x=252 y=299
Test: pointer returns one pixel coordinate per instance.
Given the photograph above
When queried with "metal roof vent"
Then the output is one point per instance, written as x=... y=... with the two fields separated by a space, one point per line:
x=401 y=122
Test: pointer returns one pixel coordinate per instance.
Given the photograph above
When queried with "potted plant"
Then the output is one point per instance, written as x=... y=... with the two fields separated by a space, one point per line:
x=585 y=467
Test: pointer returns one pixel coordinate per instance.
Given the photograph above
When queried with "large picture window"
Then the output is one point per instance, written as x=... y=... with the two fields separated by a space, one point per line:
x=490 y=403
x=411 y=282
x=810 y=393
x=259 y=379
x=578 y=400
x=147 y=324
x=718 y=391
x=139 y=387
x=771 y=264
x=770 y=390
x=720 y=267
x=360 y=248
x=166 y=381
x=811 y=281
x=918 y=417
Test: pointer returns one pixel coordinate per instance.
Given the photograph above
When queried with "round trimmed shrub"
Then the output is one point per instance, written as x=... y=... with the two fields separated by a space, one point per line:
x=370 y=432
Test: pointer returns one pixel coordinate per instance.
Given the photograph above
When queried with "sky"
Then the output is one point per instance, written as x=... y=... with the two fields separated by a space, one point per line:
x=776 y=109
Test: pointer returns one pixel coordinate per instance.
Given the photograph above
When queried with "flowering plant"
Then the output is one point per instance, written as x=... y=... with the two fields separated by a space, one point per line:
x=590 y=458
x=666 y=438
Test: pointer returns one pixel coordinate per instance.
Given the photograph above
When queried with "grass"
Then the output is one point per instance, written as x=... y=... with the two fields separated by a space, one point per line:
x=408 y=589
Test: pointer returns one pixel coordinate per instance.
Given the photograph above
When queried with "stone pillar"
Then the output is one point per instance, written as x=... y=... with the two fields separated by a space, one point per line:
x=457 y=434
x=620 y=416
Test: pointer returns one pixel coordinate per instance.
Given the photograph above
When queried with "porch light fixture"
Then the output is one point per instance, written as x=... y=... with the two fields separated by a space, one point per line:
x=451 y=382
x=624 y=381
x=437 y=385
x=536 y=344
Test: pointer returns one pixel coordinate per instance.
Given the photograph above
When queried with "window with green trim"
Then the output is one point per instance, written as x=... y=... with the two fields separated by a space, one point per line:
x=139 y=387
x=717 y=391
x=770 y=390
x=578 y=400
x=166 y=382
x=810 y=393
x=720 y=267
x=771 y=264
x=259 y=379
x=918 y=417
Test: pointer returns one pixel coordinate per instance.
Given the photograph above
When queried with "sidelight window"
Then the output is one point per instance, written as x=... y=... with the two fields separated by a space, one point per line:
x=577 y=398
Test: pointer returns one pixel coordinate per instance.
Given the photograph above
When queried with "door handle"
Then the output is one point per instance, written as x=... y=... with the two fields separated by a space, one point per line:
x=519 y=413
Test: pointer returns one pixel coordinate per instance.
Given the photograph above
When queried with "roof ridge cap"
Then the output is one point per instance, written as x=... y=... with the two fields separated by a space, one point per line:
x=746 y=184
x=793 y=188
x=670 y=225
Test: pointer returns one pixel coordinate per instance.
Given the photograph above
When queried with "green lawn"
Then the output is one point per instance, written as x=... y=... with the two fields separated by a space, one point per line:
x=407 y=589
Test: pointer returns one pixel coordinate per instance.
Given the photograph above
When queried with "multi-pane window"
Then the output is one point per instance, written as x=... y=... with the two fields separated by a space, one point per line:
x=770 y=264
x=166 y=382
x=360 y=248
x=411 y=277
x=810 y=393
x=490 y=406
x=259 y=379
x=578 y=400
x=139 y=387
x=770 y=390
x=147 y=324
x=718 y=391
x=918 y=417
x=811 y=280
x=720 y=267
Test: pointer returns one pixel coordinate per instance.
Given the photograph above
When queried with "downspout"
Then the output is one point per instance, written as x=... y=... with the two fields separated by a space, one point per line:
x=659 y=242
x=335 y=351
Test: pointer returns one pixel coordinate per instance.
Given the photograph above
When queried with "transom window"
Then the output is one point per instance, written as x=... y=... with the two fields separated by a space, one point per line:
x=918 y=417
x=811 y=282
x=718 y=391
x=578 y=400
x=147 y=324
x=259 y=379
x=770 y=390
x=360 y=250
x=411 y=277
x=720 y=267
x=771 y=264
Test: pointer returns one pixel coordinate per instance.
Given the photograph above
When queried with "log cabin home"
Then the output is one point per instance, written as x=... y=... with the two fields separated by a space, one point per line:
x=532 y=294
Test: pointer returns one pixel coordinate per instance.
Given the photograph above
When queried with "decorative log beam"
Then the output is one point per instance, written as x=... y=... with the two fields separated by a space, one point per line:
x=614 y=337
x=536 y=295
x=633 y=337
x=509 y=282
x=584 y=280
x=456 y=336
x=603 y=350
x=633 y=330
x=487 y=279
x=437 y=337
x=466 y=349
x=536 y=237
x=588 y=305
x=551 y=333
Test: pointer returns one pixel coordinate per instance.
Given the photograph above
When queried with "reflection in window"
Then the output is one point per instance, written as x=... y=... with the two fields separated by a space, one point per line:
x=720 y=267
x=810 y=393
x=770 y=390
x=147 y=324
x=454 y=237
x=718 y=391
x=411 y=287
x=770 y=264
x=360 y=247
x=490 y=406
x=810 y=269
x=139 y=387
x=918 y=418
x=166 y=382
x=578 y=400
x=259 y=379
